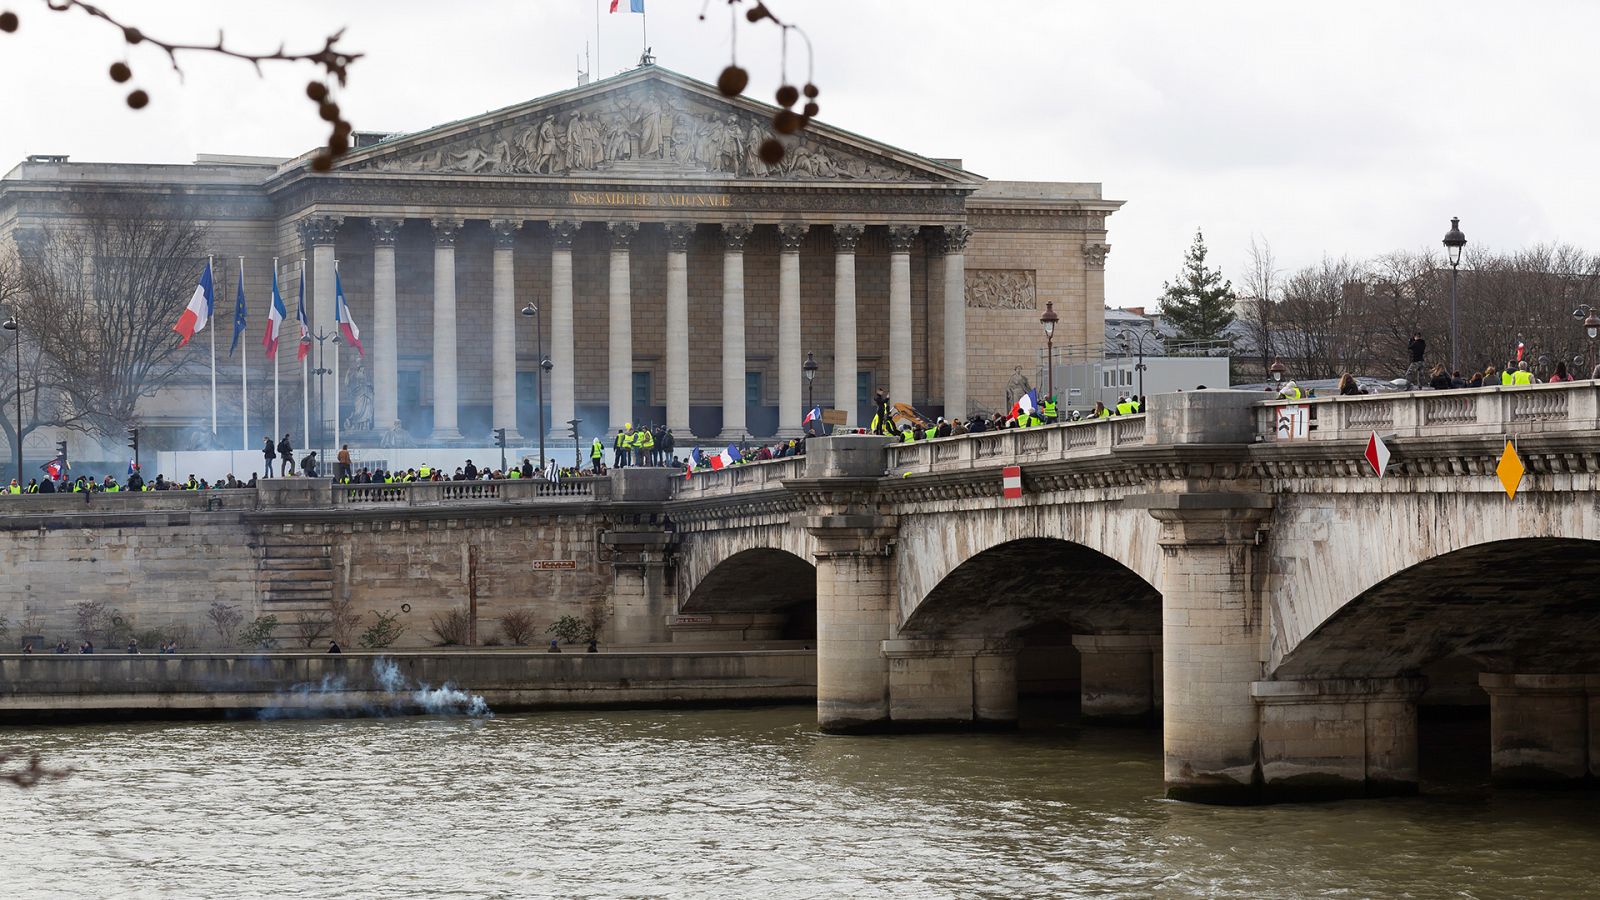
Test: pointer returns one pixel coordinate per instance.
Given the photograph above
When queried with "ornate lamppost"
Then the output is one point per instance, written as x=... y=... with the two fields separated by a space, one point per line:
x=1138 y=337
x=16 y=331
x=531 y=311
x=1049 y=319
x=1591 y=327
x=1277 y=370
x=1454 y=240
x=809 y=368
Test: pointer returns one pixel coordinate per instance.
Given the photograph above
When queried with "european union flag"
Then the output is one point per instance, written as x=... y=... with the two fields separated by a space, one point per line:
x=238 y=312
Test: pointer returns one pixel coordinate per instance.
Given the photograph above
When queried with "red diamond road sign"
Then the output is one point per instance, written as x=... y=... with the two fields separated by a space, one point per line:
x=1011 y=482
x=1377 y=454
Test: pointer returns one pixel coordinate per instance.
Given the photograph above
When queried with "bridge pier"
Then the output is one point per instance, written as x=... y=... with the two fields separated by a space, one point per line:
x=1336 y=738
x=954 y=683
x=1120 y=677
x=1544 y=730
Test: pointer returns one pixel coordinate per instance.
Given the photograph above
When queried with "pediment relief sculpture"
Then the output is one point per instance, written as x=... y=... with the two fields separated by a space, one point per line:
x=644 y=131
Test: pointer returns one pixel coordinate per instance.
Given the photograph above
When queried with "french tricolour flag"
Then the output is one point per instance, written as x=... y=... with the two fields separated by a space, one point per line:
x=633 y=5
x=300 y=316
x=815 y=414
x=341 y=314
x=276 y=313
x=726 y=458
x=1027 y=403
x=198 y=312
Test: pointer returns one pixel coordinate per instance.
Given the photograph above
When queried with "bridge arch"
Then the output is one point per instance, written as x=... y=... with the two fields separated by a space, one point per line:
x=755 y=583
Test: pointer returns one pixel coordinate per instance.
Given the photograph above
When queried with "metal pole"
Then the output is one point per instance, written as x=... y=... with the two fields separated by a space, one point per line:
x=1455 y=354
x=1141 y=372
x=1049 y=367
x=19 y=404
x=810 y=387
x=322 y=422
x=211 y=315
x=538 y=351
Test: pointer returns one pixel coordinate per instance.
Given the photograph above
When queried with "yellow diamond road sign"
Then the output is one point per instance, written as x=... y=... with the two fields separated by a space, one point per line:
x=1510 y=470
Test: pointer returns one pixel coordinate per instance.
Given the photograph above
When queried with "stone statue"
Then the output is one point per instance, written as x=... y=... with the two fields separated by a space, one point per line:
x=358 y=392
x=1016 y=387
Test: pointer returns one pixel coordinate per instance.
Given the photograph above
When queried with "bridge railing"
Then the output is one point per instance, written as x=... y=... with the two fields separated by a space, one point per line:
x=740 y=478
x=435 y=493
x=1015 y=446
x=1523 y=409
x=128 y=501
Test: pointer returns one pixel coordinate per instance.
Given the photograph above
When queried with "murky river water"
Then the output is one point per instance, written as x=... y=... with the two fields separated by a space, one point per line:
x=739 y=803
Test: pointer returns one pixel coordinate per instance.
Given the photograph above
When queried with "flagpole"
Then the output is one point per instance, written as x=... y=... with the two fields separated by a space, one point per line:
x=244 y=379
x=275 y=297
x=305 y=368
x=335 y=364
x=596 y=31
x=644 y=31
x=211 y=313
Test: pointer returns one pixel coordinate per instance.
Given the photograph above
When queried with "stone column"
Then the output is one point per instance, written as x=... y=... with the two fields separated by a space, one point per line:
x=952 y=682
x=955 y=320
x=845 y=239
x=1540 y=728
x=504 y=331
x=734 y=235
x=901 y=237
x=1210 y=639
x=1335 y=738
x=1118 y=677
x=320 y=232
x=1094 y=292
x=563 y=355
x=385 y=330
x=619 y=352
x=445 y=388
x=855 y=579
x=678 y=236
x=791 y=381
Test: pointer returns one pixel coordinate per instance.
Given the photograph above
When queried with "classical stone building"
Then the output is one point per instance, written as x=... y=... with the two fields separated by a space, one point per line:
x=678 y=278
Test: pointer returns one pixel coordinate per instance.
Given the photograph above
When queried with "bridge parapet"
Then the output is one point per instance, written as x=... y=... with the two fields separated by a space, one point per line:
x=1018 y=446
x=1523 y=409
x=740 y=479
x=433 y=493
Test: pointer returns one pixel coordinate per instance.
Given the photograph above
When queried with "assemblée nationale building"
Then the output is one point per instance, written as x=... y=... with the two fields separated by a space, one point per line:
x=678 y=278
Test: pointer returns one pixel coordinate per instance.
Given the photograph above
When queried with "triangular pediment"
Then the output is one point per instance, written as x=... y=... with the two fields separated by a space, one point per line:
x=647 y=124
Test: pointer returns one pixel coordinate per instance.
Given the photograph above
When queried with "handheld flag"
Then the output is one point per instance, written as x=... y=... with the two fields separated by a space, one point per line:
x=816 y=413
x=1027 y=403
x=341 y=314
x=300 y=316
x=726 y=458
x=198 y=312
x=697 y=460
x=55 y=467
x=238 y=313
x=275 y=316
x=132 y=468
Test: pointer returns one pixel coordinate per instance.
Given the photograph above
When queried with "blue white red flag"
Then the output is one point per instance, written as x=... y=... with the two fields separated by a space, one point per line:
x=275 y=316
x=816 y=413
x=1027 y=403
x=341 y=314
x=198 y=312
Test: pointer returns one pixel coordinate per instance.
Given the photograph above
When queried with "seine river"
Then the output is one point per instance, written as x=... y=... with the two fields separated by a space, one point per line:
x=738 y=803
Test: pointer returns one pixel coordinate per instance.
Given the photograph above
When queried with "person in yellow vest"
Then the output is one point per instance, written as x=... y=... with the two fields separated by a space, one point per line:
x=424 y=472
x=1050 y=410
x=1125 y=406
x=33 y=486
x=1522 y=376
x=1291 y=391
x=645 y=443
x=597 y=452
x=619 y=447
x=14 y=488
x=1508 y=374
x=907 y=435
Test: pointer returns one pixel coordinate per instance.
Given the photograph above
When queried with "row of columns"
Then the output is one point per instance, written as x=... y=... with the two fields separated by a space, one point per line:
x=320 y=233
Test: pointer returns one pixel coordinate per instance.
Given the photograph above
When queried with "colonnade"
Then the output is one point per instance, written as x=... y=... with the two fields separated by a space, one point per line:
x=320 y=232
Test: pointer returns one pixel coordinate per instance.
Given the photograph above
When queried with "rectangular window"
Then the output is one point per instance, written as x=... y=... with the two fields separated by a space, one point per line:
x=641 y=389
x=752 y=390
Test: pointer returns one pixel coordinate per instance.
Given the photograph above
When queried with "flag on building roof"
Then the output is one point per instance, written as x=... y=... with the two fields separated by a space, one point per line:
x=276 y=313
x=238 y=312
x=341 y=314
x=300 y=316
x=198 y=312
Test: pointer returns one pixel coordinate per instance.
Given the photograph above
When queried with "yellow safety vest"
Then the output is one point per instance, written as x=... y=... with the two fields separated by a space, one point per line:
x=1505 y=378
x=1522 y=377
x=1124 y=408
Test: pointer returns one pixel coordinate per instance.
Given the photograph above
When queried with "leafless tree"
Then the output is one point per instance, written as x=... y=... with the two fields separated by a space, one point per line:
x=1260 y=291
x=100 y=294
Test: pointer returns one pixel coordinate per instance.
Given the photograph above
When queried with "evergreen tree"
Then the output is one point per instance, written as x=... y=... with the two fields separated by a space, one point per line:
x=1199 y=303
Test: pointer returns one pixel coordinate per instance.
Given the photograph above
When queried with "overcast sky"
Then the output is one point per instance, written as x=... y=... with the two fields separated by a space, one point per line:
x=1337 y=128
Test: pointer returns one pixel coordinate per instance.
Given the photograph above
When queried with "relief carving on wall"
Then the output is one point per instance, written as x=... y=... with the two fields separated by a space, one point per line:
x=643 y=131
x=1002 y=289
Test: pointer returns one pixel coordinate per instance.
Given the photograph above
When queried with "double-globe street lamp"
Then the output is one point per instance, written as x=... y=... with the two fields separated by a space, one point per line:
x=1138 y=336
x=809 y=369
x=16 y=331
x=531 y=311
x=1454 y=241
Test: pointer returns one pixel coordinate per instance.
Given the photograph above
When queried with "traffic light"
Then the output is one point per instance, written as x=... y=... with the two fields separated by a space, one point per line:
x=133 y=444
x=61 y=450
x=500 y=438
x=572 y=427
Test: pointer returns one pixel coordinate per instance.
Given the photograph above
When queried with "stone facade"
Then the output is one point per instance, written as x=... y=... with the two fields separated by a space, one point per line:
x=644 y=152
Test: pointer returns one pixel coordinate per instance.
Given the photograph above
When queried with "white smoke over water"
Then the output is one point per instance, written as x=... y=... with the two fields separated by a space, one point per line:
x=333 y=695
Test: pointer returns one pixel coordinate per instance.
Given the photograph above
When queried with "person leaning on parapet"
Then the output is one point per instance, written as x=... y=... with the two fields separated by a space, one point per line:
x=286 y=456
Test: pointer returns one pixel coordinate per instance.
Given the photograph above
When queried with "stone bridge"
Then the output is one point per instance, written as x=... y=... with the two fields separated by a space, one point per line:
x=1278 y=606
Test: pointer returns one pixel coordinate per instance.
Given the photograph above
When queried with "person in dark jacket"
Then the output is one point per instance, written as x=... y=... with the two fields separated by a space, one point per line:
x=269 y=452
x=286 y=456
x=1418 y=347
x=1348 y=386
x=1441 y=379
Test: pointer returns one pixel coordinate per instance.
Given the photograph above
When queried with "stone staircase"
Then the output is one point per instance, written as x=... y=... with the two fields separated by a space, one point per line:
x=295 y=574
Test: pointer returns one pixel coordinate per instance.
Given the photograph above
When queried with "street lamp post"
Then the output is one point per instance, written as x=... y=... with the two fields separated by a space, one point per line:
x=1277 y=370
x=16 y=331
x=1454 y=240
x=810 y=370
x=1591 y=327
x=319 y=371
x=1049 y=320
x=531 y=311
x=1138 y=336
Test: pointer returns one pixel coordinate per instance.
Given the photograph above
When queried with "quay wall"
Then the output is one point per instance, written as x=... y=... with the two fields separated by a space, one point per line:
x=37 y=688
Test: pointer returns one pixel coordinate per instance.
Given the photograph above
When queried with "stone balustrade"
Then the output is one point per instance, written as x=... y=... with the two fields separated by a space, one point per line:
x=1519 y=410
x=739 y=479
x=434 y=493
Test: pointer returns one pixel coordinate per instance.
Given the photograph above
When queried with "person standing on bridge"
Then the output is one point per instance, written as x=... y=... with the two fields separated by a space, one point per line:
x=1418 y=347
x=270 y=453
x=285 y=456
x=597 y=452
